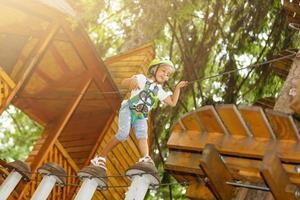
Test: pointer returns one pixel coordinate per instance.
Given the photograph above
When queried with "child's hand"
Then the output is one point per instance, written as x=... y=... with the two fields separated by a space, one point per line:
x=182 y=84
x=133 y=84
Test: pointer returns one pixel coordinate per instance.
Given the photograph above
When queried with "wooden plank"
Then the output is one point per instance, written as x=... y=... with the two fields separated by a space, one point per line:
x=245 y=147
x=199 y=191
x=283 y=126
x=277 y=178
x=183 y=162
x=211 y=120
x=217 y=173
x=233 y=120
x=257 y=122
x=192 y=122
x=241 y=168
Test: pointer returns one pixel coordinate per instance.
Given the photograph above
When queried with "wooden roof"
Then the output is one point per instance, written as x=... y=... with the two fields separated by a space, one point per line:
x=242 y=135
x=62 y=83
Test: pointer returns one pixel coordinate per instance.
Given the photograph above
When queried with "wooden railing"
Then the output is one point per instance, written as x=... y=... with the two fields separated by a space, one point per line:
x=60 y=157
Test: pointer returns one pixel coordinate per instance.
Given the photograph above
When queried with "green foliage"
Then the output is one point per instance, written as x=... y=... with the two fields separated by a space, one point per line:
x=204 y=38
x=18 y=134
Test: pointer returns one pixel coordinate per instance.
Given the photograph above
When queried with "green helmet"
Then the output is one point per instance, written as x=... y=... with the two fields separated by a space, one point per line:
x=153 y=66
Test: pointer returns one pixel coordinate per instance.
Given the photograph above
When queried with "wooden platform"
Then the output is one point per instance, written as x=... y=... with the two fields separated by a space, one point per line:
x=242 y=135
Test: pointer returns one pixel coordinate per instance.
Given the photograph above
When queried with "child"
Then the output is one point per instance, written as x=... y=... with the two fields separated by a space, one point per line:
x=145 y=94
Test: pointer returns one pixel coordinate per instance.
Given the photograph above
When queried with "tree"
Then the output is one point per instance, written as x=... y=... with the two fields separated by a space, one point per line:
x=18 y=134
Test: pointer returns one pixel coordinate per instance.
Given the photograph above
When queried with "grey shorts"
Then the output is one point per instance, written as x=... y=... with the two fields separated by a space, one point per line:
x=140 y=126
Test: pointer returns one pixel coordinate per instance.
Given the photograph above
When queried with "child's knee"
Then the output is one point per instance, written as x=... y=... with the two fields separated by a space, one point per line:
x=141 y=132
x=121 y=137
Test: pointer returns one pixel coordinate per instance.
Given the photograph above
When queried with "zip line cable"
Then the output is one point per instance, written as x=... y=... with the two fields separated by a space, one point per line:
x=249 y=66
x=124 y=91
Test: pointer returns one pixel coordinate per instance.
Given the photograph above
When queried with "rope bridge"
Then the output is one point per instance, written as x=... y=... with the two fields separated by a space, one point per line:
x=144 y=176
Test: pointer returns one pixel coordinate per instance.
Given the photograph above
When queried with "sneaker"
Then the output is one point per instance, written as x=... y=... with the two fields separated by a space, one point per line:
x=147 y=159
x=99 y=161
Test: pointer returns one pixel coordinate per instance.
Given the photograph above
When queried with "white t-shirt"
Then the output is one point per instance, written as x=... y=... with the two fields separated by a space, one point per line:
x=141 y=80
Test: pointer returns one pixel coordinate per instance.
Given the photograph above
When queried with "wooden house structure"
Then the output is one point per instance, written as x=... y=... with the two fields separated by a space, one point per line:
x=52 y=72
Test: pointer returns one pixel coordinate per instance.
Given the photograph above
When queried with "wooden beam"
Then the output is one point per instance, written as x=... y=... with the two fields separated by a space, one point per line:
x=94 y=64
x=241 y=168
x=277 y=178
x=288 y=151
x=34 y=59
x=55 y=129
x=217 y=173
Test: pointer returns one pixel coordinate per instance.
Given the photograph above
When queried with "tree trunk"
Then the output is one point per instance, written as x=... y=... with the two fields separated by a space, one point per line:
x=289 y=94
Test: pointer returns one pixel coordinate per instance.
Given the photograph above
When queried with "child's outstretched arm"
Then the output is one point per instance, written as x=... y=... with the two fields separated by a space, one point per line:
x=130 y=83
x=172 y=100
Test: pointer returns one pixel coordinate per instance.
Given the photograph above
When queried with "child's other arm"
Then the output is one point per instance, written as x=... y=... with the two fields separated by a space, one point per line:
x=172 y=100
x=130 y=83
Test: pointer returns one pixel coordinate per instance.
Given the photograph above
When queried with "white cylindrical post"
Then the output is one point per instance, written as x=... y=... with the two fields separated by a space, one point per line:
x=138 y=188
x=143 y=175
x=44 y=188
x=51 y=173
x=9 y=184
x=87 y=189
x=92 y=177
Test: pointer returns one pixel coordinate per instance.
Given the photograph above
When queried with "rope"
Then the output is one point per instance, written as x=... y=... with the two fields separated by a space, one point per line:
x=249 y=66
x=152 y=186
x=76 y=176
x=124 y=91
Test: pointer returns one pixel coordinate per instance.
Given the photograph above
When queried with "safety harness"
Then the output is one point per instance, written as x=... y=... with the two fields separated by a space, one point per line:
x=147 y=97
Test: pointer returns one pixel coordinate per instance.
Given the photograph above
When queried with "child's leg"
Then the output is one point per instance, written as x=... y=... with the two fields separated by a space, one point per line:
x=143 y=147
x=141 y=132
x=122 y=134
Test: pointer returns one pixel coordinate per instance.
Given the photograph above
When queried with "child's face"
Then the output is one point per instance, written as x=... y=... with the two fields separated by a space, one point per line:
x=163 y=73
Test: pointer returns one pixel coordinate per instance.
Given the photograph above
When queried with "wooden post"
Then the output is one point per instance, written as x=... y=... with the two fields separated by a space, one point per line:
x=143 y=175
x=93 y=177
x=51 y=173
x=18 y=169
x=217 y=173
x=277 y=179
